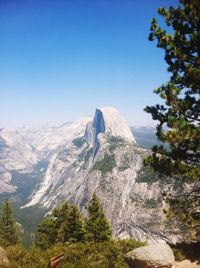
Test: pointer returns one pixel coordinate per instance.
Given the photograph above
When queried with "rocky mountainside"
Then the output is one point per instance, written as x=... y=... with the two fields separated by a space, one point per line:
x=106 y=159
x=100 y=154
x=24 y=155
x=75 y=160
x=16 y=155
x=47 y=138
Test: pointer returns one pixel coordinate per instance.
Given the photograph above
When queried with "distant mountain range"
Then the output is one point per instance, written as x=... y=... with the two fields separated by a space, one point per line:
x=41 y=167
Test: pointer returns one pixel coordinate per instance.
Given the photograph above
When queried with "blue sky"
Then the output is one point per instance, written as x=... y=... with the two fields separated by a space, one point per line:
x=60 y=59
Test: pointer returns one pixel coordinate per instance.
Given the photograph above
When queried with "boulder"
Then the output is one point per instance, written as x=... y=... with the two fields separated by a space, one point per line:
x=151 y=256
x=4 y=262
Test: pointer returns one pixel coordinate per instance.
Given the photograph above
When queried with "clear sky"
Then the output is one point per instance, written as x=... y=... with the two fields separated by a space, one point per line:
x=60 y=59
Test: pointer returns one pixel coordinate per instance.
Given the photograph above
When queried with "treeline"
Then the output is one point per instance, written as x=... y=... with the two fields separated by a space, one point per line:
x=66 y=224
x=86 y=242
x=9 y=231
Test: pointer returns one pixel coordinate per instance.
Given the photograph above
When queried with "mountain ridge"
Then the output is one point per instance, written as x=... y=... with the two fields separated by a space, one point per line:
x=100 y=155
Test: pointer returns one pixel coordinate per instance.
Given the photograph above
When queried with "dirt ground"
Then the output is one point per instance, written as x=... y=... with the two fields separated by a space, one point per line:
x=186 y=264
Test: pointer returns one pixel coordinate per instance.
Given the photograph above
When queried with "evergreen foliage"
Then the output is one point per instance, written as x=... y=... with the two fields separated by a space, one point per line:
x=72 y=229
x=77 y=255
x=46 y=233
x=8 y=228
x=50 y=230
x=179 y=116
x=67 y=221
x=106 y=164
x=66 y=224
x=60 y=214
x=97 y=226
x=29 y=218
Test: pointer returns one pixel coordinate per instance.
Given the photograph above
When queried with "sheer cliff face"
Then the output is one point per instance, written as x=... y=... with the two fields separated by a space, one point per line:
x=107 y=121
x=107 y=160
x=74 y=160
x=80 y=156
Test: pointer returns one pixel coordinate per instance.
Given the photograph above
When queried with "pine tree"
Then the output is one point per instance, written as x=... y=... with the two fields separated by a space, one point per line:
x=97 y=226
x=46 y=233
x=48 y=230
x=60 y=214
x=8 y=228
x=179 y=116
x=64 y=225
x=72 y=228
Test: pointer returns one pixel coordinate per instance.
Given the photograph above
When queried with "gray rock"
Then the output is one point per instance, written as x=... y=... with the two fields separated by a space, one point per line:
x=4 y=262
x=106 y=159
x=151 y=256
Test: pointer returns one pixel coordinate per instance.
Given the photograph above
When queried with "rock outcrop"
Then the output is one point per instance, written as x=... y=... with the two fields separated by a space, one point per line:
x=151 y=256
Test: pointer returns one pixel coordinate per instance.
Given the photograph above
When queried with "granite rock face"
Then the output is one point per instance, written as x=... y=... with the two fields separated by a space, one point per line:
x=106 y=159
x=51 y=164
x=151 y=256
x=16 y=155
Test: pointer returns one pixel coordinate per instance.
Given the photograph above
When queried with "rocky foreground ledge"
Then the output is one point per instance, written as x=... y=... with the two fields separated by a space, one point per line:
x=156 y=256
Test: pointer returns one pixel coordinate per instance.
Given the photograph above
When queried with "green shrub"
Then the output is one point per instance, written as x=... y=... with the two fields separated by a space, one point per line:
x=151 y=203
x=15 y=255
x=106 y=164
x=93 y=255
x=19 y=257
x=125 y=163
x=127 y=245
x=147 y=174
x=109 y=254
x=115 y=141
